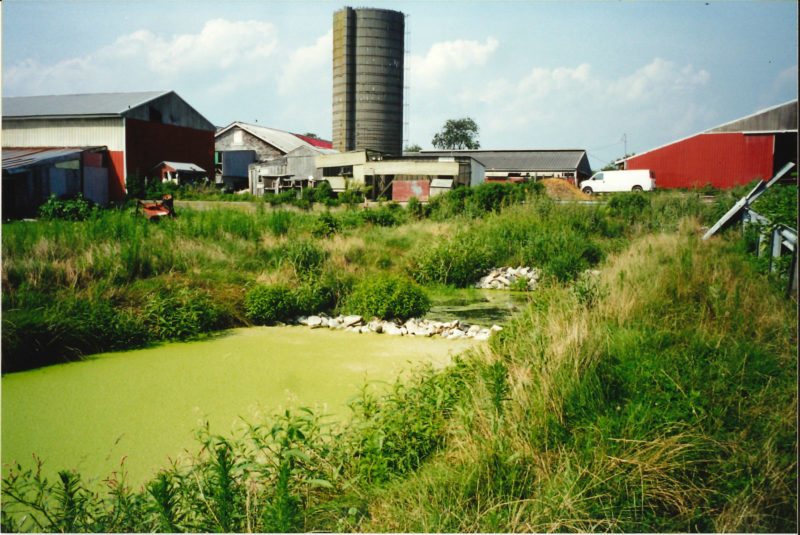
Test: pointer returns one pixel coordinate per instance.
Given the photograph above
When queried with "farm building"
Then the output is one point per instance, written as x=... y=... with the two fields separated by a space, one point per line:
x=399 y=178
x=735 y=153
x=518 y=165
x=178 y=172
x=240 y=144
x=295 y=170
x=31 y=175
x=139 y=130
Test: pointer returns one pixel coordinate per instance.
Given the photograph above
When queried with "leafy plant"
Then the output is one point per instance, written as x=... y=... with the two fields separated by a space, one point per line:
x=388 y=296
x=266 y=305
x=70 y=209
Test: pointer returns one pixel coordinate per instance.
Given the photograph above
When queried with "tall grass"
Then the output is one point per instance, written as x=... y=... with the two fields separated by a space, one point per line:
x=659 y=395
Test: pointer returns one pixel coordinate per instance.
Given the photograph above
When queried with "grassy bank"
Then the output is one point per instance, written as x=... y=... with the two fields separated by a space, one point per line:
x=659 y=396
x=115 y=281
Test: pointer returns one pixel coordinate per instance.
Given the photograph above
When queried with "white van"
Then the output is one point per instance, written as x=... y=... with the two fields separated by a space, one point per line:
x=631 y=180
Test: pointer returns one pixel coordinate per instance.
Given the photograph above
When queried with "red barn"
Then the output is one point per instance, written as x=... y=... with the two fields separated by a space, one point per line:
x=735 y=153
x=140 y=129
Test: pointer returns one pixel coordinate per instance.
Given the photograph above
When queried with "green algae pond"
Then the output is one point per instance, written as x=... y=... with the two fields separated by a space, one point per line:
x=146 y=405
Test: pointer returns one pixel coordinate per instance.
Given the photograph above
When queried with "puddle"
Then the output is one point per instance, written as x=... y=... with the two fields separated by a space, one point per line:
x=481 y=307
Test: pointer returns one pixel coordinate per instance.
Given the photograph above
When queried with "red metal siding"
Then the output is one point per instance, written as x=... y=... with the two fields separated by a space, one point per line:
x=116 y=175
x=402 y=190
x=723 y=160
x=147 y=144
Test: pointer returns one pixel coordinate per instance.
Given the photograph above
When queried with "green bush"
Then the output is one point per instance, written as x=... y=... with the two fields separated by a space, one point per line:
x=388 y=296
x=459 y=261
x=385 y=216
x=325 y=226
x=70 y=209
x=182 y=314
x=265 y=305
x=305 y=257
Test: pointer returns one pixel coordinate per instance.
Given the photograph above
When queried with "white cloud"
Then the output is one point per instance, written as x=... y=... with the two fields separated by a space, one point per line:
x=308 y=65
x=445 y=58
x=224 y=53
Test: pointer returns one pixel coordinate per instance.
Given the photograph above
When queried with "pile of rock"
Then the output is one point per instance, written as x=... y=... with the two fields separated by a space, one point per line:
x=503 y=278
x=413 y=327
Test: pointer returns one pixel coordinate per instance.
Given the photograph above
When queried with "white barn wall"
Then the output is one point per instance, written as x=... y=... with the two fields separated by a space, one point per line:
x=65 y=133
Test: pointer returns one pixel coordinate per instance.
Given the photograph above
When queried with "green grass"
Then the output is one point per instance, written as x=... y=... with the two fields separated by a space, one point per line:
x=659 y=396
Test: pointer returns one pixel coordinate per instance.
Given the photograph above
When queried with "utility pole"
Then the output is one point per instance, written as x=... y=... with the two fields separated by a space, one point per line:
x=625 y=140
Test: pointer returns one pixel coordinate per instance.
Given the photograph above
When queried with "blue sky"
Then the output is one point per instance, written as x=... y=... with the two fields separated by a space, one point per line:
x=537 y=75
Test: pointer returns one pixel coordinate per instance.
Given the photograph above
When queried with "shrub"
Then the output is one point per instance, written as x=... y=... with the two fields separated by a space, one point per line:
x=385 y=216
x=416 y=209
x=182 y=314
x=388 y=296
x=303 y=256
x=460 y=261
x=325 y=226
x=266 y=305
x=70 y=209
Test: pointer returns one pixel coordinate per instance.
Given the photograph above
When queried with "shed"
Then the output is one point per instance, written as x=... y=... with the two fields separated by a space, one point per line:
x=732 y=154
x=31 y=175
x=515 y=165
x=178 y=172
x=139 y=129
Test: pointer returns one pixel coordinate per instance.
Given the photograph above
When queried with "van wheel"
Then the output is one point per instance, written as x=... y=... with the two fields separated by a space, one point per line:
x=636 y=188
x=587 y=190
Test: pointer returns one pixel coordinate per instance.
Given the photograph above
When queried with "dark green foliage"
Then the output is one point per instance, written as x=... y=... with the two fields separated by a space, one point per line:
x=351 y=196
x=386 y=216
x=459 y=261
x=415 y=209
x=457 y=134
x=67 y=330
x=779 y=205
x=182 y=314
x=628 y=206
x=266 y=305
x=68 y=209
x=325 y=226
x=305 y=257
x=388 y=296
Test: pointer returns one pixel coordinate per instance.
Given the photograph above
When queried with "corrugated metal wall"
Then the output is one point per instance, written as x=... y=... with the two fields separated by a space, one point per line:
x=723 y=160
x=148 y=144
x=64 y=133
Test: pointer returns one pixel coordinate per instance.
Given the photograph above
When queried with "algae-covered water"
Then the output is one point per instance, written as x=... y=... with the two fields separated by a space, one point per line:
x=146 y=405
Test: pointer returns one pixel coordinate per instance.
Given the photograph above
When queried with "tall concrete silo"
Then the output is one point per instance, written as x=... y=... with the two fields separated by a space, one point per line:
x=368 y=47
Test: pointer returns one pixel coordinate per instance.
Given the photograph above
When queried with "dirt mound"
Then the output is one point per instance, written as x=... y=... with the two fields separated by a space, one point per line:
x=562 y=190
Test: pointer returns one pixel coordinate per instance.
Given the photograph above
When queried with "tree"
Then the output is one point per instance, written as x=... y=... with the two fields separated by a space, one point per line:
x=311 y=135
x=457 y=134
x=412 y=148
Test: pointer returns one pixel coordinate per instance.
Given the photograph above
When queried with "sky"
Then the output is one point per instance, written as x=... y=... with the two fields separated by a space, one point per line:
x=604 y=76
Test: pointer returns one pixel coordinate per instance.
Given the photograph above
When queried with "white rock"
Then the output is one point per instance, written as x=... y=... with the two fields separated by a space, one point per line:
x=324 y=322
x=483 y=335
x=391 y=328
x=350 y=321
x=496 y=328
x=375 y=326
x=314 y=322
x=474 y=329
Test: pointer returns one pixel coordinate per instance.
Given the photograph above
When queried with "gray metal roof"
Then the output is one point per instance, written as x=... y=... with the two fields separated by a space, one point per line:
x=88 y=104
x=18 y=159
x=780 y=118
x=520 y=160
x=184 y=166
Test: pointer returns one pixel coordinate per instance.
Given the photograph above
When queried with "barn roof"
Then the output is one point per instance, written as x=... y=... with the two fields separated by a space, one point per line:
x=280 y=139
x=780 y=118
x=86 y=104
x=520 y=160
